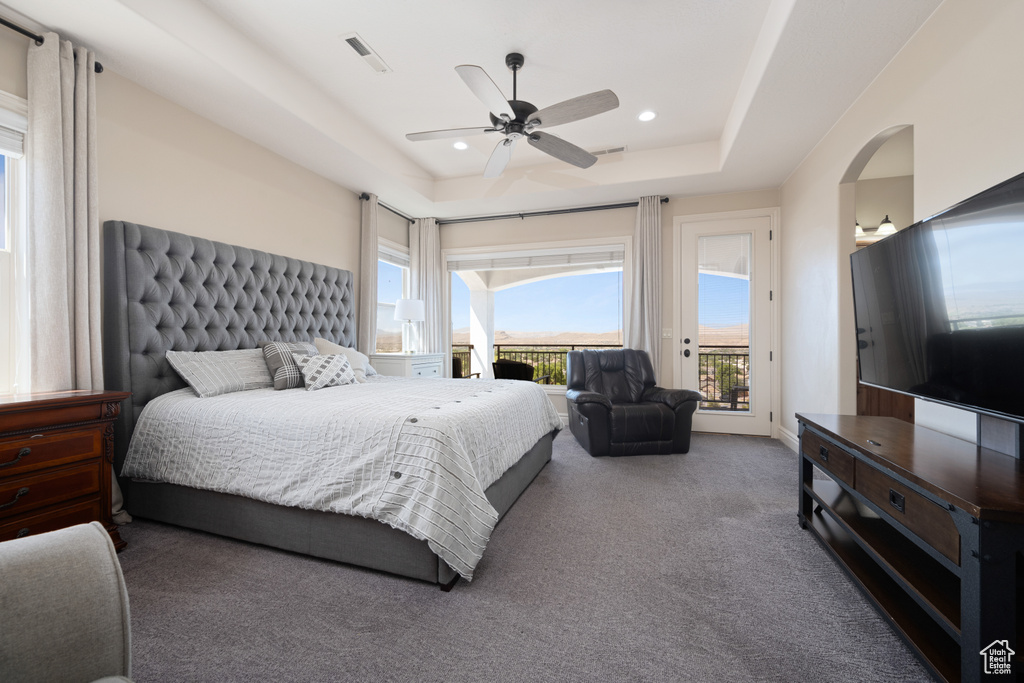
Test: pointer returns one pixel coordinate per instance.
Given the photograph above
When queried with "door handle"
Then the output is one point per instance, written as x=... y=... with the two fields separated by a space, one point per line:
x=686 y=353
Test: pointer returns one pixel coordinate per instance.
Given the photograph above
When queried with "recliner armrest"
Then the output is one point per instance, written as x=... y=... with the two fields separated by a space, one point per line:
x=673 y=398
x=580 y=396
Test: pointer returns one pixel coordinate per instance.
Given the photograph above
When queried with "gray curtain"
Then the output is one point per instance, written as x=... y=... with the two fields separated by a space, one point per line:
x=429 y=281
x=644 y=328
x=63 y=223
x=63 y=218
x=366 y=328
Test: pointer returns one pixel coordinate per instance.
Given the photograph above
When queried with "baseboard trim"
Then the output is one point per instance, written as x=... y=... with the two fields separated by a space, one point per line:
x=789 y=439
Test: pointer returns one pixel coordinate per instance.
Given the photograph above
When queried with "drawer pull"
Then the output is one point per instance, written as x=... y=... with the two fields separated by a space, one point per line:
x=21 y=454
x=897 y=500
x=823 y=453
x=21 y=492
x=23 y=533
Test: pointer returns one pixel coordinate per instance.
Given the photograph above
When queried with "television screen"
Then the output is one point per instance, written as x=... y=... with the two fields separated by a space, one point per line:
x=940 y=305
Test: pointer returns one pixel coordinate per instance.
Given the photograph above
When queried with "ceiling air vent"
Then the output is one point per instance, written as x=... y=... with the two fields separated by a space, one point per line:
x=366 y=52
x=610 y=150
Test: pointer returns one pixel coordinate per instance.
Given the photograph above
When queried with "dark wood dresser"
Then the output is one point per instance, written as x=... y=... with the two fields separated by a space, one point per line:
x=931 y=528
x=56 y=453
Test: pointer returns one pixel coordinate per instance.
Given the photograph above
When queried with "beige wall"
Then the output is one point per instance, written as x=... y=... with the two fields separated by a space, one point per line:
x=951 y=83
x=611 y=223
x=392 y=227
x=13 y=60
x=163 y=166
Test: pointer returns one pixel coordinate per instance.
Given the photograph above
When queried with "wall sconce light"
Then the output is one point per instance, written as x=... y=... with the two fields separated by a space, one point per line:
x=859 y=233
x=886 y=228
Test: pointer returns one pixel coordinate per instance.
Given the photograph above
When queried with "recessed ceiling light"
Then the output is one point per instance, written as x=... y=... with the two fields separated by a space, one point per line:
x=460 y=145
x=647 y=115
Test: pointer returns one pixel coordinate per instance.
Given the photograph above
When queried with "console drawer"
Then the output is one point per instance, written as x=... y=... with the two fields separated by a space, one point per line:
x=19 y=495
x=929 y=520
x=50 y=519
x=828 y=456
x=27 y=453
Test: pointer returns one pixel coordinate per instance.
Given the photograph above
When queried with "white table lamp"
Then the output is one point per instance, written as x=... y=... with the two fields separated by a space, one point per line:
x=410 y=311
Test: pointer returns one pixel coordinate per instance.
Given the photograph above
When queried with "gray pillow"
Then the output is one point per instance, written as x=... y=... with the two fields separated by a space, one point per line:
x=320 y=372
x=211 y=373
x=281 y=365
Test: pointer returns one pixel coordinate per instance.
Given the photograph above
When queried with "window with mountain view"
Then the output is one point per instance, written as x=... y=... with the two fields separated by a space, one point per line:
x=541 y=318
x=392 y=283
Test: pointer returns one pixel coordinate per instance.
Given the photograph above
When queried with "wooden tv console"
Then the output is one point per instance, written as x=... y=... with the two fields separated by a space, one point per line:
x=930 y=528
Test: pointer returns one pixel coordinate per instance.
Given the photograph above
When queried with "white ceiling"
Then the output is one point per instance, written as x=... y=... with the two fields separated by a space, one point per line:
x=744 y=89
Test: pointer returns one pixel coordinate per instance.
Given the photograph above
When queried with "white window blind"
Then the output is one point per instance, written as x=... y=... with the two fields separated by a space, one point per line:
x=13 y=125
x=392 y=255
x=604 y=255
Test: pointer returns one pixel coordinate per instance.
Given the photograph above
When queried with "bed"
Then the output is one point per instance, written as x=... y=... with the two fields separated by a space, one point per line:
x=169 y=291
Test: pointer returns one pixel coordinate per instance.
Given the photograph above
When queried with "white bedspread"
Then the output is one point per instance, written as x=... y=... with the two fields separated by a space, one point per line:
x=414 y=454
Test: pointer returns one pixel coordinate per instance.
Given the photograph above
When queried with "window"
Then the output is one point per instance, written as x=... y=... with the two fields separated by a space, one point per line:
x=392 y=285
x=13 y=353
x=534 y=306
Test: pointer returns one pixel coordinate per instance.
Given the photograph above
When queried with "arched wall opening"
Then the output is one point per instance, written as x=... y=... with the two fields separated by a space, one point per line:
x=878 y=183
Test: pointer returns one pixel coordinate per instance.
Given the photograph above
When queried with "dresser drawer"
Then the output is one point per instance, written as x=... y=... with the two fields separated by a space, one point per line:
x=31 y=452
x=50 y=519
x=428 y=370
x=930 y=521
x=20 y=494
x=828 y=456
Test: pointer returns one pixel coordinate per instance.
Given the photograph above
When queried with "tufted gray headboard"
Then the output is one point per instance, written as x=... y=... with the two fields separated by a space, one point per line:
x=168 y=291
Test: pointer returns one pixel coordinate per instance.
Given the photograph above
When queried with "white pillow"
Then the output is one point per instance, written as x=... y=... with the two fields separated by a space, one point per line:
x=320 y=372
x=211 y=373
x=359 y=361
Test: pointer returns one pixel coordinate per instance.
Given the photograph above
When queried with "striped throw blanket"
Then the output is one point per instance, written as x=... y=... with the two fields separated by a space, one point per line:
x=414 y=454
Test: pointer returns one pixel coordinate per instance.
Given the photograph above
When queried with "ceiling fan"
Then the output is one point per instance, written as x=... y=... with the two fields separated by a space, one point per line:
x=517 y=119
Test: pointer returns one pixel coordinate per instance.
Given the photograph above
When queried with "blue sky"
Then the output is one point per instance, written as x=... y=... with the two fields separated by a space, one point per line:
x=578 y=303
x=724 y=300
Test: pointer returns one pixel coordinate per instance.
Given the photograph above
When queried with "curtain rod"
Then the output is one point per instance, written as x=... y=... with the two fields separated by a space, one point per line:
x=531 y=214
x=39 y=39
x=364 y=196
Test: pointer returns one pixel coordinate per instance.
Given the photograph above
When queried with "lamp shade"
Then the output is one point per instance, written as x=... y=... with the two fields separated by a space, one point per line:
x=886 y=228
x=412 y=310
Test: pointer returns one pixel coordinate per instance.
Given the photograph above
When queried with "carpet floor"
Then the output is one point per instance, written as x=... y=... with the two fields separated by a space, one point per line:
x=656 y=568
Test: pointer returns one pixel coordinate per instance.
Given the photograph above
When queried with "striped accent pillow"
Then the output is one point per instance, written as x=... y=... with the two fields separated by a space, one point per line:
x=320 y=372
x=211 y=373
x=282 y=365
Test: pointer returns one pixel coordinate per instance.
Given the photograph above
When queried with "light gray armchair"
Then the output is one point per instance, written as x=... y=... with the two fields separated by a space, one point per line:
x=64 y=608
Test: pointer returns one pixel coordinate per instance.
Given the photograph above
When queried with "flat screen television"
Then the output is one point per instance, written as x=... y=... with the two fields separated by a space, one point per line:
x=940 y=306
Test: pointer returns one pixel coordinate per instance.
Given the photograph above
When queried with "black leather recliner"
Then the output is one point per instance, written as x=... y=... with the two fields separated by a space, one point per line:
x=616 y=409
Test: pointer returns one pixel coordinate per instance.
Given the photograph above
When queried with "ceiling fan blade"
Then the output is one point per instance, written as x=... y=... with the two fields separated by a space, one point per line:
x=560 y=149
x=485 y=90
x=447 y=133
x=500 y=157
x=575 y=109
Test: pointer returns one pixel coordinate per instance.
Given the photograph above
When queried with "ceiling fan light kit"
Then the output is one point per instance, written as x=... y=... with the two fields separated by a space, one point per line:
x=516 y=119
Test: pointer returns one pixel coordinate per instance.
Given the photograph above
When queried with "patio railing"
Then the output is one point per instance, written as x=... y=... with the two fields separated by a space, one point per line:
x=725 y=378
x=724 y=370
x=547 y=359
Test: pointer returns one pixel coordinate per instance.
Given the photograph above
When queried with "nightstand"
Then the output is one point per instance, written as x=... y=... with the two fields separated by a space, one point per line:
x=56 y=452
x=408 y=364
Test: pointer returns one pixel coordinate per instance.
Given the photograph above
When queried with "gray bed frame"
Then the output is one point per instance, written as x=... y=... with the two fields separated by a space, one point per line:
x=169 y=291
